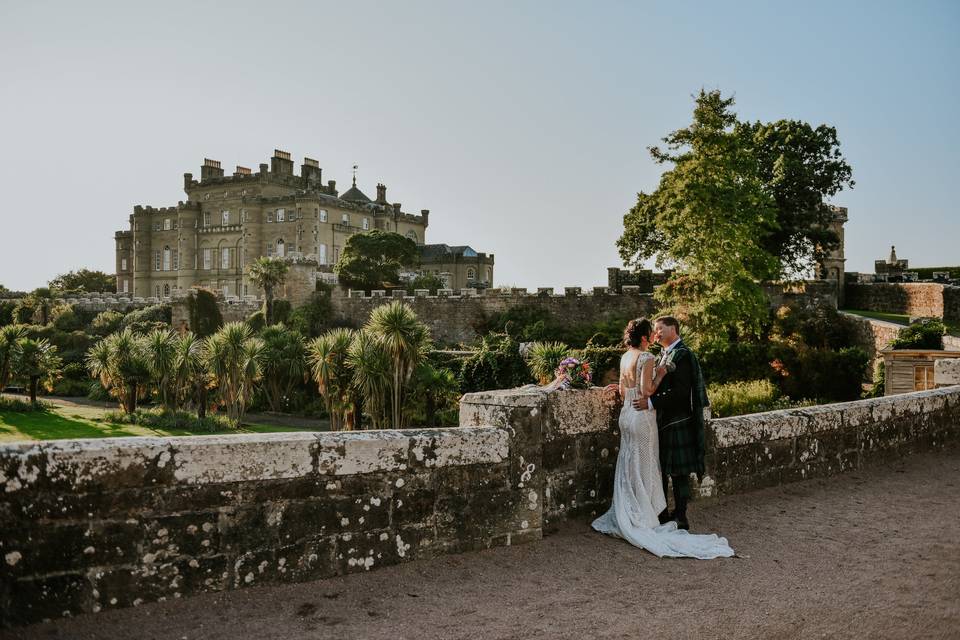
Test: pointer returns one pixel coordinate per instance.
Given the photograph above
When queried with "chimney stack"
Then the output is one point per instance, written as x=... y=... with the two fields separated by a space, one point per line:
x=241 y=171
x=311 y=171
x=210 y=169
x=332 y=187
x=396 y=209
x=281 y=164
x=381 y=193
x=425 y=214
x=187 y=179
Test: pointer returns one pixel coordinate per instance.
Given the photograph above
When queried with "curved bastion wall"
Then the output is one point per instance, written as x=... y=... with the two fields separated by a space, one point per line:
x=89 y=525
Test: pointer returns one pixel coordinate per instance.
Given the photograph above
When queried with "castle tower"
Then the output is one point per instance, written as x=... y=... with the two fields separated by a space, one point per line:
x=832 y=265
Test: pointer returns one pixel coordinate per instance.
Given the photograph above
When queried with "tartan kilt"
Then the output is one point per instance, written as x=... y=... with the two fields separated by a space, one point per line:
x=680 y=452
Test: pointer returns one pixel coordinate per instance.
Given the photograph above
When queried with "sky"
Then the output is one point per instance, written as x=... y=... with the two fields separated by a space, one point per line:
x=522 y=126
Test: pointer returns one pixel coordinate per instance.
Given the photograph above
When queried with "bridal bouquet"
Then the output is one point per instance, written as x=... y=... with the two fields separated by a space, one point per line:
x=574 y=374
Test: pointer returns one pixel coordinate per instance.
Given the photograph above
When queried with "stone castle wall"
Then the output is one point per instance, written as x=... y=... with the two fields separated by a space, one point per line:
x=915 y=299
x=91 y=525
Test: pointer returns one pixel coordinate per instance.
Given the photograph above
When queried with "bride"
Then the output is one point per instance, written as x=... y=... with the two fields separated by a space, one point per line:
x=639 y=504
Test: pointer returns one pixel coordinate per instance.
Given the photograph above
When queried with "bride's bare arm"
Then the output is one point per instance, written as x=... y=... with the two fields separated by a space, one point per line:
x=647 y=384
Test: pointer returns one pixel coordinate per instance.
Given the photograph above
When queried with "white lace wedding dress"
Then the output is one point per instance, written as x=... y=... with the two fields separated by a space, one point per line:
x=638 y=495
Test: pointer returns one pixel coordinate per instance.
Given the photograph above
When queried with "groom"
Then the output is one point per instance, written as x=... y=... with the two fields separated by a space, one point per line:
x=679 y=402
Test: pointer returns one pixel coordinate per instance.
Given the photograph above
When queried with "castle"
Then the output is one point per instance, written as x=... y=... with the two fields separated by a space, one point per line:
x=227 y=222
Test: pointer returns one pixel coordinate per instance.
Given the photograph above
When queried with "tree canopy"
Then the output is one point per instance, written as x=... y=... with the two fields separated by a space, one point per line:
x=85 y=280
x=739 y=204
x=374 y=259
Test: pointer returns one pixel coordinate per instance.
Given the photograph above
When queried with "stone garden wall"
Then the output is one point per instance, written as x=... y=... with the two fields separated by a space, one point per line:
x=90 y=525
x=915 y=299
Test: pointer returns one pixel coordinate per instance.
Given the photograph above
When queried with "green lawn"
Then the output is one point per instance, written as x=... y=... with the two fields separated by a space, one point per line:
x=77 y=421
x=895 y=318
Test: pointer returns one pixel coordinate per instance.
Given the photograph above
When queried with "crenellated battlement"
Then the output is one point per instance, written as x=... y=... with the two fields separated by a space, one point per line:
x=494 y=293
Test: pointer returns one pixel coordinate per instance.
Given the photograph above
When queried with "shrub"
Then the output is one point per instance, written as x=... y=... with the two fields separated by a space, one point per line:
x=106 y=323
x=751 y=396
x=74 y=381
x=313 y=318
x=879 y=382
x=147 y=319
x=544 y=358
x=170 y=420
x=923 y=334
x=203 y=312
x=17 y=405
x=821 y=373
x=257 y=321
x=281 y=311
x=65 y=318
x=497 y=364
x=6 y=312
x=605 y=362
x=736 y=361
x=429 y=281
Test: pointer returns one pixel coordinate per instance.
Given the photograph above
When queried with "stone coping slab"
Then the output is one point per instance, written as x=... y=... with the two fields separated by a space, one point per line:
x=146 y=461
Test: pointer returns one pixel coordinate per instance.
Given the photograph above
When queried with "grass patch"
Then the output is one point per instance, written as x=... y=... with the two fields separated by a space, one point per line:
x=60 y=422
x=895 y=318
x=753 y=396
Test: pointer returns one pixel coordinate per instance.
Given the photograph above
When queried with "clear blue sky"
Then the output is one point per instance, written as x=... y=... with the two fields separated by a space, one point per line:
x=522 y=126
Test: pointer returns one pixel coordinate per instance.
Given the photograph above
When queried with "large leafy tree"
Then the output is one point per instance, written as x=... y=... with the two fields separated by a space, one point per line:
x=268 y=274
x=374 y=259
x=707 y=218
x=85 y=280
x=800 y=166
x=738 y=204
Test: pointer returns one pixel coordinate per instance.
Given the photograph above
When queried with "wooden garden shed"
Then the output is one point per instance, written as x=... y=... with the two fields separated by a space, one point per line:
x=907 y=370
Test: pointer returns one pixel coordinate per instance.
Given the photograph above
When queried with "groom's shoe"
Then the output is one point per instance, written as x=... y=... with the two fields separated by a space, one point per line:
x=682 y=523
x=664 y=517
x=680 y=515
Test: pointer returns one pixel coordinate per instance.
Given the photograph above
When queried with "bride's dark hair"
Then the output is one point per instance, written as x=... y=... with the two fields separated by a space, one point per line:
x=635 y=331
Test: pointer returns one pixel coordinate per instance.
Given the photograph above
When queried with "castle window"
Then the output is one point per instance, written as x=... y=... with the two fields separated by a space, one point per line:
x=126 y=286
x=281 y=248
x=299 y=213
x=156 y=260
x=176 y=260
x=488 y=279
x=225 y=258
x=206 y=218
x=243 y=215
x=207 y=259
x=412 y=235
x=323 y=215
x=156 y=225
x=269 y=216
x=366 y=224
x=322 y=254
x=471 y=274
x=166 y=291
x=123 y=264
x=281 y=215
x=166 y=224
x=226 y=218
x=157 y=289
x=345 y=219
x=166 y=258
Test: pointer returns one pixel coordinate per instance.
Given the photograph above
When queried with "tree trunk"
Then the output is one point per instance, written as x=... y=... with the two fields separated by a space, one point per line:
x=132 y=399
x=201 y=401
x=268 y=294
x=33 y=389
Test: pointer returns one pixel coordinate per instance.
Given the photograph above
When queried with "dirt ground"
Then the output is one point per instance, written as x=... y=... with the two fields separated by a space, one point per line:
x=872 y=554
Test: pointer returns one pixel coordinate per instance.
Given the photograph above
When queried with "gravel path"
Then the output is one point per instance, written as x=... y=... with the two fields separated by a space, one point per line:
x=872 y=554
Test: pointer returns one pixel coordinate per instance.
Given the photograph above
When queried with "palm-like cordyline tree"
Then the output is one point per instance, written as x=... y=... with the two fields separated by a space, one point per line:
x=371 y=377
x=233 y=356
x=190 y=373
x=10 y=335
x=284 y=362
x=121 y=363
x=268 y=273
x=438 y=389
x=406 y=341
x=161 y=350
x=327 y=355
x=35 y=360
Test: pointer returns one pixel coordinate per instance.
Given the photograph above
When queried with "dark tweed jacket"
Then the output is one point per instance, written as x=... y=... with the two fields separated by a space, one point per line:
x=679 y=402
